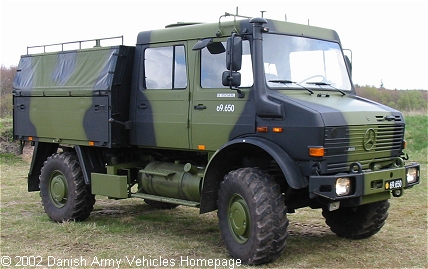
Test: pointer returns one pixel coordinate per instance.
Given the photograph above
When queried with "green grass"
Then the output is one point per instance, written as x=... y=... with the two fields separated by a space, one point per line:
x=9 y=158
x=5 y=123
x=417 y=136
x=6 y=129
x=129 y=228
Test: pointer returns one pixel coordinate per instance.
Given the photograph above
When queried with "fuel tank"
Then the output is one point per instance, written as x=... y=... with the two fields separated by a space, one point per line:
x=173 y=180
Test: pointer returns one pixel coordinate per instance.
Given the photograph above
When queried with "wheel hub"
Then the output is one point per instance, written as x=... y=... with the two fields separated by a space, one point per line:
x=58 y=190
x=238 y=217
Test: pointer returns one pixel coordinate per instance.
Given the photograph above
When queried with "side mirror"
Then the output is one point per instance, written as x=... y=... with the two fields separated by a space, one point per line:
x=202 y=43
x=231 y=79
x=234 y=53
x=213 y=47
x=348 y=62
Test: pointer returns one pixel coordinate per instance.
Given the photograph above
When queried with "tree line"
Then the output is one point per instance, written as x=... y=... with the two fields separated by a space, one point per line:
x=403 y=100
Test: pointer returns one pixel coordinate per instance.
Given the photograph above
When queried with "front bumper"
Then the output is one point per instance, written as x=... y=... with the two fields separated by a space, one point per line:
x=366 y=186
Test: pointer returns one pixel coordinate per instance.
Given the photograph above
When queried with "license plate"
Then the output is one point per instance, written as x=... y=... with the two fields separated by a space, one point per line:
x=393 y=184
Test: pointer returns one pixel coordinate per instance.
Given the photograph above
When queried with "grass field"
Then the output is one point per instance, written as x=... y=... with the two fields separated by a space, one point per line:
x=130 y=231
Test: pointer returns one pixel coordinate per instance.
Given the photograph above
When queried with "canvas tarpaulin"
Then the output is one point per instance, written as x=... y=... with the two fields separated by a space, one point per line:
x=66 y=73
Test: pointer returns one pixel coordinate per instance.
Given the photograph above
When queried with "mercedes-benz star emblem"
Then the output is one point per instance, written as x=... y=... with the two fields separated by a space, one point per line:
x=369 y=139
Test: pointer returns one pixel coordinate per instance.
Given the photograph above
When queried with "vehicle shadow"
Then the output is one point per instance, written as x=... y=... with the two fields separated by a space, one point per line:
x=184 y=223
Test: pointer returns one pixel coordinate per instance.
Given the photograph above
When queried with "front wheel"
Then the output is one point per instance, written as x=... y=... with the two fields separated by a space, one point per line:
x=357 y=222
x=65 y=196
x=252 y=216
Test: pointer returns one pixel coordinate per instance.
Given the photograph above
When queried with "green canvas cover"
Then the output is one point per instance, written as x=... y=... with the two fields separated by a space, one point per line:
x=70 y=96
x=66 y=73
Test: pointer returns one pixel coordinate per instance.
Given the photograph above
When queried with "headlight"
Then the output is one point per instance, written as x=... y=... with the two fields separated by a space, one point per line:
x=412 y=175
x=343 y=186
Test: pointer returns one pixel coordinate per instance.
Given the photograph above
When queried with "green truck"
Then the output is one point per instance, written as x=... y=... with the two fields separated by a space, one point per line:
x=251 y=117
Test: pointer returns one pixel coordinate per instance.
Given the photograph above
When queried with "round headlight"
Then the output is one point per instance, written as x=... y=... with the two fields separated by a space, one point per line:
x=343 y=186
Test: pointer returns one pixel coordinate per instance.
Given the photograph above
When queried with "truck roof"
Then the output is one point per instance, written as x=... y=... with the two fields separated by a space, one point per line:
x=194 y=31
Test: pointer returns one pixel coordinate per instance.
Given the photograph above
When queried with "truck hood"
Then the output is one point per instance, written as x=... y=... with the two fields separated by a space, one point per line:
x=336 y=110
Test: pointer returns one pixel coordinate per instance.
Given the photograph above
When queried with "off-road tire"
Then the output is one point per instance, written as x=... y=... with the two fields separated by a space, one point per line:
x=357 y=222
x=65 y=196
x=159 y=205
x=252 y=216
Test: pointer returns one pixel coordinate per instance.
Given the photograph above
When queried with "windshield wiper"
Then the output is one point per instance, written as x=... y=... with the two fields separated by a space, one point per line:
x=285 y=81
x=326 y=84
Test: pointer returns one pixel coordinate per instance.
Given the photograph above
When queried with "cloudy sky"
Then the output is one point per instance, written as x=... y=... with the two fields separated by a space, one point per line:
x=388 y=38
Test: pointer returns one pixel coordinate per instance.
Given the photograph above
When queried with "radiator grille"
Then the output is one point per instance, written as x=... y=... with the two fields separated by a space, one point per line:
x=364 y=144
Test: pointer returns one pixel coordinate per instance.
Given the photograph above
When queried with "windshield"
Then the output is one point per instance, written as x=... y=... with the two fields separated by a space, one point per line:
x=311 y=63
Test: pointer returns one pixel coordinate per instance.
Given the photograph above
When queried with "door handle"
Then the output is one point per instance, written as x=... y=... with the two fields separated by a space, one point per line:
x=200 y=107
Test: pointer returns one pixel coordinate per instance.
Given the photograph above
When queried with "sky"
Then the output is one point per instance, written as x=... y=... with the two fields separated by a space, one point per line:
x=388 y=39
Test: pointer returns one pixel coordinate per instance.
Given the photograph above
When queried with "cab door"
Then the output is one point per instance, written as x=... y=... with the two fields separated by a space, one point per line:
x=162 y=99
x=217 y=113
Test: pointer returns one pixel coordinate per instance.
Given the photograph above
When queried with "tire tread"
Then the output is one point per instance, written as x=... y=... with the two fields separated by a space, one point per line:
x=270 y=213
x=82 y=200
x=357 y=223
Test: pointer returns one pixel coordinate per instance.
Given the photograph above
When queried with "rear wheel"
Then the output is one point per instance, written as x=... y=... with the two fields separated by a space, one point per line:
x=252 y=216
x=357 y=222
x=65 y=196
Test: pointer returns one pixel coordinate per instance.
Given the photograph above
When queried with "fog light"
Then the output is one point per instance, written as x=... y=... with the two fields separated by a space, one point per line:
x=412 y=175
x=397 y=193
x=343 y=186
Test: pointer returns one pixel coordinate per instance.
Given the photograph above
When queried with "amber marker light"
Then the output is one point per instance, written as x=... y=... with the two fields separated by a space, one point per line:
x=263 y=129
x=201 y=147
x=91 y=143
x=404 y=144
x=30 y=138
x=316 y=152
x=277 y=129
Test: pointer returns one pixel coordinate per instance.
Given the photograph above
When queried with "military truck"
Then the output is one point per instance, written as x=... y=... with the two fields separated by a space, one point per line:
x=251 y=117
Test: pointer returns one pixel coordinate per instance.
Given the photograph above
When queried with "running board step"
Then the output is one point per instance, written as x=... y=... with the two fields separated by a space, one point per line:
x=165 y=199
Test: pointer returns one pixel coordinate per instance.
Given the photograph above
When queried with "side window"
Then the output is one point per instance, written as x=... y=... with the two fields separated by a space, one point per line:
x=165 y=68
x=213 y=66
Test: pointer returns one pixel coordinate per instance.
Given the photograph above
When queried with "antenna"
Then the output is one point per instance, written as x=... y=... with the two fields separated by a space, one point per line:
x=262 y=11
x=227 y=14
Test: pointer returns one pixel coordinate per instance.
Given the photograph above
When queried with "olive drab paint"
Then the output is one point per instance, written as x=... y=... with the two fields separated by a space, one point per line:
x=213 y=116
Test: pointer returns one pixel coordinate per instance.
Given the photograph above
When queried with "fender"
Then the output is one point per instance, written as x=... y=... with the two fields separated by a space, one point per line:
x=91 y=161
x=41 y=152
x=289 y=167
x=220 y=165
